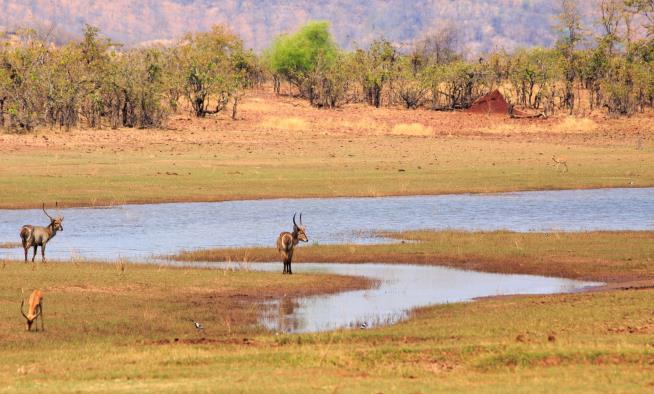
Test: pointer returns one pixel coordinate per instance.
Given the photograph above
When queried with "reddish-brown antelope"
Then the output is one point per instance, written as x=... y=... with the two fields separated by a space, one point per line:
x=35 y=236
x=560 y=162
x=286 y=243
x=34 y=311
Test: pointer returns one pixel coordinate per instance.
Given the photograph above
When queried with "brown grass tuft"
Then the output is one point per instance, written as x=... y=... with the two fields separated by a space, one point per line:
x=412 y=129
x=281 y=123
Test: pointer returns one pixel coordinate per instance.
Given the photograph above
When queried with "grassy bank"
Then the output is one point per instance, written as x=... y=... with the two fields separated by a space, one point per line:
x=111 y=300
x=604 y=256
x=78 y=178
x=282 y=148
x=109 y=329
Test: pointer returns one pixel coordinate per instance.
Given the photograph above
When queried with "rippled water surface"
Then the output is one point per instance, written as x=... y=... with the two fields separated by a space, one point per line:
x=140 y=231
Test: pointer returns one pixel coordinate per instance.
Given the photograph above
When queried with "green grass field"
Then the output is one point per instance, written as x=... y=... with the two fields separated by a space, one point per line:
x=109 y=329
x=313 y=167
x=121 y=327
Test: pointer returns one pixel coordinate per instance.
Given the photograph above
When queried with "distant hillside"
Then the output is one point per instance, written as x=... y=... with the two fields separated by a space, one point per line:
x=482 y=24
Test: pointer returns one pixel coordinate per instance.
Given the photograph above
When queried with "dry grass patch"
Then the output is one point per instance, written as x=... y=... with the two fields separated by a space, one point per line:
x=412 y=129
x=557 y=126
x=572 y=124
x=280 y=123
x=358 y=125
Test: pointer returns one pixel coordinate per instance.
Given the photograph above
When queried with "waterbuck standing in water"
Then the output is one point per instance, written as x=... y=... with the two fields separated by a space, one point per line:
x=35 y=236
x=286 y=243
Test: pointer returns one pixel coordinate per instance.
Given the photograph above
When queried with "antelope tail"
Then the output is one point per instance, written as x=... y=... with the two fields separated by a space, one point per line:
x=26 y=232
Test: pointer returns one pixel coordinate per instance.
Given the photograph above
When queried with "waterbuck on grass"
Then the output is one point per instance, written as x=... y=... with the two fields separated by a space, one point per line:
x=34 y=311
x=286 y=243
x=35 y=236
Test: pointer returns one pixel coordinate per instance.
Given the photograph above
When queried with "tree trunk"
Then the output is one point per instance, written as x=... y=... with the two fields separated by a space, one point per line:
x=569 y=97
x=376 y=95
x=276 y=85
x=198 y=106
x=234 y=108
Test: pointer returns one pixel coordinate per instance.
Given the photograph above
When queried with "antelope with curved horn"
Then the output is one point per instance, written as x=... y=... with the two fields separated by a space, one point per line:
x=286 y=243
x=560 y=161
x=35 y=236
x=34 y=311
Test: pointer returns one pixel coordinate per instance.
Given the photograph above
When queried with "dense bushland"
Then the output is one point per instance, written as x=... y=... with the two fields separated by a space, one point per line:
x=610 y=67
x=97 y=83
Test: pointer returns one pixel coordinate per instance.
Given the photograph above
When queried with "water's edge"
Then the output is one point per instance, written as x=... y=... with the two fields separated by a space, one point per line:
x=106 y=205
x=140 y=232
x=402 y=288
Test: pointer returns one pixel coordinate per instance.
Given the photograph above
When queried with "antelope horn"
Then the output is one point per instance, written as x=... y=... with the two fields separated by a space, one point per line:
x=295 y=224
x=21 y=310
x=46 y=214
x=301 y=224
x=58 y=211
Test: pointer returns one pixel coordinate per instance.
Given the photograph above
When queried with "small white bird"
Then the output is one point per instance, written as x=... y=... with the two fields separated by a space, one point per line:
x=198 y=325
x=363 y=326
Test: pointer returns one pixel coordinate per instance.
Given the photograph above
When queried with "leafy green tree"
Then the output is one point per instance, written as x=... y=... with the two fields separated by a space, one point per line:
x=210 y=67
x=294 y=57
x=617 y=86
x=377 y=66
x=411 y=85
x=173 y=76
x=532 y=74
x=459 y=83
x=64 y=86
x=496 y=68
x=643 y=84
x=24 y=90
x=5 y=85
x=328 y=84
x=310 y=60
x=95 y=65
x=570 y=35
x=140 y=86
x=247 y=73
